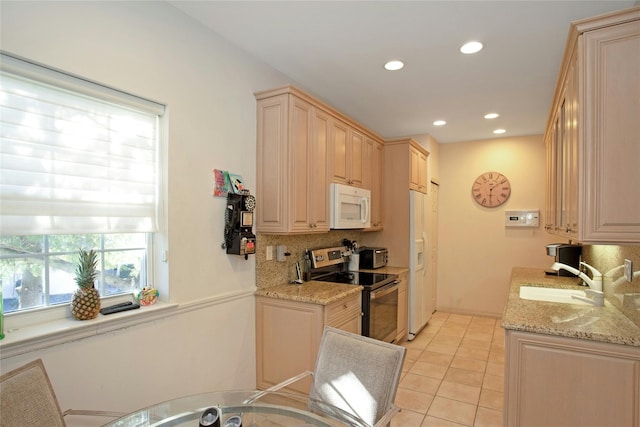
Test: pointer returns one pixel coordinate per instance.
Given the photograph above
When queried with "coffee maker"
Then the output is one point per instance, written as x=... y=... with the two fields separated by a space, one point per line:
x=567 y=254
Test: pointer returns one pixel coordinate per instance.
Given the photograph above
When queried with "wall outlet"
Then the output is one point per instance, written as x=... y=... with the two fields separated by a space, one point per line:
x=628 y=270
x=269 y=253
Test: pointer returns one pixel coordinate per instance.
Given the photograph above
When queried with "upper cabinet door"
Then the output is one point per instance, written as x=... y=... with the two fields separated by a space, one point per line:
x=418 y=168
x=348 y=147
x=318 y=171
x=301 y=152
x=593 y=194
x=611 y=111
x=302 y=146
x=340 y=158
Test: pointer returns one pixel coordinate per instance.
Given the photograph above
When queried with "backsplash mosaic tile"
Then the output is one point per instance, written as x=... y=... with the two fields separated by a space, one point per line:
x=273 y=273
x=609 y=259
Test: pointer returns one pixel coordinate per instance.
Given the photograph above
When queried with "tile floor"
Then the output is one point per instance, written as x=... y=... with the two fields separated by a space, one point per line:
x=453 y=374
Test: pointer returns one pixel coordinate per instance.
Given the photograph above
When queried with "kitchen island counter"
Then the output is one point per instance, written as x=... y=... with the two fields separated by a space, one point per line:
x=604 y=324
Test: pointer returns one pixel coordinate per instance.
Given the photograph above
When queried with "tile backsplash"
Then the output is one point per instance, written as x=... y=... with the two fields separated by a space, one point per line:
x=273 y=273
x=622 y=294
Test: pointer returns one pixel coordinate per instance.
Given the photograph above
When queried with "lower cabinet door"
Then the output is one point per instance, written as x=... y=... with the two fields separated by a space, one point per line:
x=557 y=381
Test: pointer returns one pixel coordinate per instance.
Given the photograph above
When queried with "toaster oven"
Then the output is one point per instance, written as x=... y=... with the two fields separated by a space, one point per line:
x=371 y=258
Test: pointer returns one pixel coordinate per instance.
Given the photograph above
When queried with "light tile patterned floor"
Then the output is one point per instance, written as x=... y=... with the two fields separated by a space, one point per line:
x=453 y=374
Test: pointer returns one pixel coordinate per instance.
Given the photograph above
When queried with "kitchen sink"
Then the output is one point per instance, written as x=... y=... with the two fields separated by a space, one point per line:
x=552 y=294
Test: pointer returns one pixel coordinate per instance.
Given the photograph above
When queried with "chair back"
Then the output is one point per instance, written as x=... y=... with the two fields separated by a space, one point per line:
x=27 y=398
x=357 y=374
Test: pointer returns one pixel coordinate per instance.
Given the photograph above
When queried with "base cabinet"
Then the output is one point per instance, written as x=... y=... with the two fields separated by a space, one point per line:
x=288 y=336
x=556 y=381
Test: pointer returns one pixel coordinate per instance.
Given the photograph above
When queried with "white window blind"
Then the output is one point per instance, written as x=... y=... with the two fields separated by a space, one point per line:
x=75 y=156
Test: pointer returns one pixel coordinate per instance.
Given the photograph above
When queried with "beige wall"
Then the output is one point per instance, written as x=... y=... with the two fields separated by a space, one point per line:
x=153 y=50
x=476 y=251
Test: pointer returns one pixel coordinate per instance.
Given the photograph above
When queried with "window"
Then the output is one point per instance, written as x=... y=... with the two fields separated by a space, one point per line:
x=79 y=168
x=38 y=271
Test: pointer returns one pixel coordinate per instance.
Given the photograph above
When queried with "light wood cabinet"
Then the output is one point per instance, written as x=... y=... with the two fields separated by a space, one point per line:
x=398 y=156
x=592 y=131
x=403 y=307
x=292 y=169
x=558 y=381
x=302 y=146
x=349 y=155
x=376 y=172
x=288 y=336
x=414 y=161
x=418 y=169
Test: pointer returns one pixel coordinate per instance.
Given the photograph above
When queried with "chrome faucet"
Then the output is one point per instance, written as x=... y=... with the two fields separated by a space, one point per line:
x=595 y=283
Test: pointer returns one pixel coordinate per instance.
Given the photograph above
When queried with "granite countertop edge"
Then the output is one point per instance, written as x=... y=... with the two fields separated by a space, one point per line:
x=603 y=324
x=314 y=292
x=323 y=293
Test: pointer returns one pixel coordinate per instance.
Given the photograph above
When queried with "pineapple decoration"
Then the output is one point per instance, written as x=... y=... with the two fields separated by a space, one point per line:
x=85 y=304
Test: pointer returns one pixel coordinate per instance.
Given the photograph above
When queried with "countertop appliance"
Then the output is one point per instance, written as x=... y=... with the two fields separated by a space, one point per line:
x=350 y=207
x=372 y=258
x=565 y=254
x=379 y=296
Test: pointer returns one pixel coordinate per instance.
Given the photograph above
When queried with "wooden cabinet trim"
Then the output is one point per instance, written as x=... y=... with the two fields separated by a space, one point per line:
x=291 y=89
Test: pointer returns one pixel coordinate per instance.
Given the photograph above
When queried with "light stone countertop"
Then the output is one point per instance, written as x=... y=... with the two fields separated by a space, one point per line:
x=322 y=293
x=604 y=324
x=313 y=292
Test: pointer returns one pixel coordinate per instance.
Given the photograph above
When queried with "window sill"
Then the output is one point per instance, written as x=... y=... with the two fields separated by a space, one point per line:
x=38 y=336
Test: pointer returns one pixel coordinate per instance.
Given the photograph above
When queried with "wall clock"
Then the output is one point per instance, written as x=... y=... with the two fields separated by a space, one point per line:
x=491 y=189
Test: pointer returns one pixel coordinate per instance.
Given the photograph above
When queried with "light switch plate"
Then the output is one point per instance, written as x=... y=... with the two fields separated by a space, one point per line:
x=628 y=270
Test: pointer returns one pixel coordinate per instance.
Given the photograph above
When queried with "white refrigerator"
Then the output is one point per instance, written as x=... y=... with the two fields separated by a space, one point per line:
x=420 y=292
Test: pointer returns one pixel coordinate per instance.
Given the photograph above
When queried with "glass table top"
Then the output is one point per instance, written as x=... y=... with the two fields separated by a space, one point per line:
x=254 y=409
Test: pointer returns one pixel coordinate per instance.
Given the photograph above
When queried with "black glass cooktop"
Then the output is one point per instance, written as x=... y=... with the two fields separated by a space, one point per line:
x=357 y=278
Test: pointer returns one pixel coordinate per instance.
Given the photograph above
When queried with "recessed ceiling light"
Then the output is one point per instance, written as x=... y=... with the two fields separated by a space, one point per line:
x=394 y=65
x=439 y=123
x=471 y=47
x=499 y=131
x=491 y=115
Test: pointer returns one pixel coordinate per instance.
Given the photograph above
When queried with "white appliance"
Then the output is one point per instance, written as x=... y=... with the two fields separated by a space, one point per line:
x=420 y=293
x=349 y=207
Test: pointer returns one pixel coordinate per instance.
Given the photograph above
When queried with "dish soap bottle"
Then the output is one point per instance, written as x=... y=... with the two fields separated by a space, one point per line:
x=306 y=267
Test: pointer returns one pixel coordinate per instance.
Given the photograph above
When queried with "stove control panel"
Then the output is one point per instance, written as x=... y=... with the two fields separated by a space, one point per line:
x=327 y=256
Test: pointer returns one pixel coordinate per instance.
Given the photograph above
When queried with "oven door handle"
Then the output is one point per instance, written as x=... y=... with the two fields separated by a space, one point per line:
x=386 y=290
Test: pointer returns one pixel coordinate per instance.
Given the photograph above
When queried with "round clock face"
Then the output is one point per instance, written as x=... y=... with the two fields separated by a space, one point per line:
x=491 y=189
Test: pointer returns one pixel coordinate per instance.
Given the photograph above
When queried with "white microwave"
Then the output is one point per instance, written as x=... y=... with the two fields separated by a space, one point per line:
x=350 y=207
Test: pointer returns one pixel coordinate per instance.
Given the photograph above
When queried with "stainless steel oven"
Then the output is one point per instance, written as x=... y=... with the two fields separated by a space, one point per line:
x=381 y=315
x=379 y=293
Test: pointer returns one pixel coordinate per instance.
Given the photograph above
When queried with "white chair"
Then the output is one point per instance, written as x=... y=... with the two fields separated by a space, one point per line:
x=357 y=374
x=27 y=399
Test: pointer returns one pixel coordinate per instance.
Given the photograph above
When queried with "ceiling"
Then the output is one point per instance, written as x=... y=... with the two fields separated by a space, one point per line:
x=336 y=50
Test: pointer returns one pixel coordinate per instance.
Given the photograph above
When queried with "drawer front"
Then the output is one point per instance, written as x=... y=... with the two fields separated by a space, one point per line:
x=344 y=307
